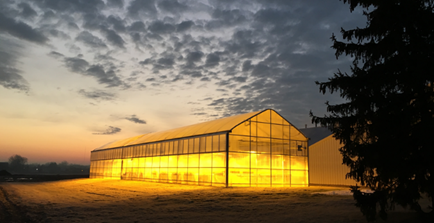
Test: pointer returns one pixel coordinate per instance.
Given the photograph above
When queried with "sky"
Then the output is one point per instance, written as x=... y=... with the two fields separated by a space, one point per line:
x=77 y=74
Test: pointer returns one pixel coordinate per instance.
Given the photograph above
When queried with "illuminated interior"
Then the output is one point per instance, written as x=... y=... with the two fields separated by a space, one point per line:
x=249 y=150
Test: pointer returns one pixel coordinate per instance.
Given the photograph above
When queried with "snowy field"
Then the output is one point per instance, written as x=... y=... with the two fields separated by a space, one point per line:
x=95 y=200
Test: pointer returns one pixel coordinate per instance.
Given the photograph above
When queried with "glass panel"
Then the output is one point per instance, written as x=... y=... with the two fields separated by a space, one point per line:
x=277 y=162
x=193 y=160
x=239 y=143
x=263 y=145
x=191 y=145
x=239 y=177
x=263 y=160
x=264 y=116
x=135 y=162
x=276 y=118
x=263 y=177
x=218 y=175
x=254 y=160
x=299 y=178
x=185 y=146
x=205 y=174
x=298 y=162
x=287 y=178
x=223 y=142
x=182 y=160
x=202 y=144
x=148 y=167
x=162 y=148
x=277 y=131
x=164 y=161
x=193 y=174
x=175 y=147
x=208 y=144
x=286 y=147
x=172 y=175
x=157 y=147
x=155 y=173
x=206 y=160
x=215 y=143
x=156 y=162
x=180 y=146
x=182 y=175
x=286 y=131
x=286 y=162
x=254 y=128
x=163 y=175
x=219 y=159
x=173 y=161
x=196 y=145
x=277 y=177
x=264 y=130
x=277 y=146
x=148 y=162
x=242 y=129
x=253 y=177
x=239 y=160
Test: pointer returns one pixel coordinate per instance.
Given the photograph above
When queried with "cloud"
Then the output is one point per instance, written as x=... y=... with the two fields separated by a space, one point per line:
x=104 y=76
x=76 y=64
x=113 y=38
x=27 y=11
x=172 y=6
x=97 y=95
x=160 y=27
x=184 y=26
x=115 y=3
x=109 y=131
x=10 y=76
x=21 y=30
x=108 y=78
x=135 y=119
x=146 y=7
x=90 y=40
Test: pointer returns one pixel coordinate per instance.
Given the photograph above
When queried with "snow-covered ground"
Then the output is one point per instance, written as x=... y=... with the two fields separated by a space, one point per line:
x=96 y=200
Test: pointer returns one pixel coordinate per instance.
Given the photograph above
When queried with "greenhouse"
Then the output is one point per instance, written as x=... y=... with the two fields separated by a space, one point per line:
x=257 y=149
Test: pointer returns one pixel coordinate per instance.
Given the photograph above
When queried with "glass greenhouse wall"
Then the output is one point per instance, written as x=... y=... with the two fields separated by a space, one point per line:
x=248 y=150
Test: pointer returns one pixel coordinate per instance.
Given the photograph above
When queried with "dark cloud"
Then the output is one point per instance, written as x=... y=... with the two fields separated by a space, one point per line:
x=20 y=30
x=212 y=60
x=172 y=6
x=145 y=8
x=184 y=26
x=56 y=55
x=76 y=64
x=109 y=131
x=10 y=76
x=68 y=6
x=27 y=11
x=135 y=119
x=108 y=77
x=137 y=26
x=114 y=38
x=117 y=23
x=115 y=3
x=97 y=95
x=90 y=40
x=104 y=76
x=160 y=27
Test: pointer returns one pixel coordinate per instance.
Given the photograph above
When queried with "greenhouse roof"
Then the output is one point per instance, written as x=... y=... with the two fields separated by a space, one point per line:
x=210 y=127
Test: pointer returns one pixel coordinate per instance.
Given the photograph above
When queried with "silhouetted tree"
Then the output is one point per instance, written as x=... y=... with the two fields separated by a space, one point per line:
x=386 y=124
x=17 y=163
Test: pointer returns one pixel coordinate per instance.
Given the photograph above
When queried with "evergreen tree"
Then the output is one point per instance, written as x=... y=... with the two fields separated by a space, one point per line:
x=386 y=124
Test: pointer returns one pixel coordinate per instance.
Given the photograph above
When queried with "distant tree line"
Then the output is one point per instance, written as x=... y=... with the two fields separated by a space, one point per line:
x=18 y=165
